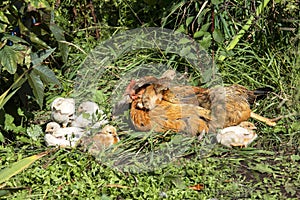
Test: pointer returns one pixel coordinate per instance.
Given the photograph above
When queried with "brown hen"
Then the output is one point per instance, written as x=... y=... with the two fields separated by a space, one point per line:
x=168 y=116
x=229 y=106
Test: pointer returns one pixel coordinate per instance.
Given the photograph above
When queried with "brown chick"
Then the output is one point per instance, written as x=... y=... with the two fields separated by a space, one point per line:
x=229 y=106
x=101 y=140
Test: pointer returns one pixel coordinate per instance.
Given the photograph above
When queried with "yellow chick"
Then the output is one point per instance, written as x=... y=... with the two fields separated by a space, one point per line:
x=241 y=135
x=101 y=140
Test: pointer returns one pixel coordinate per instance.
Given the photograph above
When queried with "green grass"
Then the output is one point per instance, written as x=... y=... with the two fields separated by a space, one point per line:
x=226 y=174
x=269 y=169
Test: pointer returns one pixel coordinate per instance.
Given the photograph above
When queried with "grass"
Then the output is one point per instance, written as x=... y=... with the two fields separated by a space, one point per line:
x=269 y=169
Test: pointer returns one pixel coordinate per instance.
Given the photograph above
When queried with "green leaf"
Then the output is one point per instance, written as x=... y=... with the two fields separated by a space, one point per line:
x=38 y=4
x=18 y=166
x=14 y=39
x=199 y=34
x=46 y=75
x=205 y=27
x=189 y=20
x=8 y=59
x=38 y=57
x=10 y=126
x=34 y=131
x=58 y=33
x=206 y=41
x=37 y=86
x=262 y=168
x=216 y=2
x=1 y=137
x=218 y=36
x=184 y=41
x=295 y=158
x=4 y=19
x=181 y=29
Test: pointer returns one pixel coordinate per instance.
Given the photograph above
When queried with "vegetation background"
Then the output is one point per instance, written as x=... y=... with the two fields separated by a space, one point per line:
x=43 y=43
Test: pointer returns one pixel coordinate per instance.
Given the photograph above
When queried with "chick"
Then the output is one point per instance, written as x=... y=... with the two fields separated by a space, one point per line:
x=88 y=114
x=63 y=110
x=101 y=140
x=62 y=136
x=241 y=135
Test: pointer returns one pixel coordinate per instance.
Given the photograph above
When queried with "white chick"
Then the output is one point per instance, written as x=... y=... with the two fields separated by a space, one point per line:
x=88 y=114
x=50 y=140
x=101 y=140
x=62 y=136
x=63 y=110
x=241 y=135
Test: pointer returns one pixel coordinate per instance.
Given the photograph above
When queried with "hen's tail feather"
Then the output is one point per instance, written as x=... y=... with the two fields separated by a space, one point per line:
x=262 y=91
x=259 y=94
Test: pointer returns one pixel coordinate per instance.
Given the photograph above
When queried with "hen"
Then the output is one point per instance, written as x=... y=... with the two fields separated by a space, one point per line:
x=229 y=106
x=166 y=116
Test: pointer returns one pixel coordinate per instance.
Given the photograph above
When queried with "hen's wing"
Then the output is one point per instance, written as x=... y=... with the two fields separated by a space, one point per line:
x=167 y=116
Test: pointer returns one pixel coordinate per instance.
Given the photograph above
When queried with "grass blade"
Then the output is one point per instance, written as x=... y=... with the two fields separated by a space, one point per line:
x=19 y=166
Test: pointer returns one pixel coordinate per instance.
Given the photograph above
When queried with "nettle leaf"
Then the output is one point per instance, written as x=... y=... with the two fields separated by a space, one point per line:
x=40 y=56
x=34 y=131
x=14 y=39
x=10 y=126
x=9 y=58
x=46 y=75
x=37 y=86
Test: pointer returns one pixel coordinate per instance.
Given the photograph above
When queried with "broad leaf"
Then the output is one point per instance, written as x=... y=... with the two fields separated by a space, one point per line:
x=189 y=20
x=18 y=166
x=8 y=59
x=46 y=74
x=58 y=33
x=37 y=86
x=206 y=41
x=10 y=126
x=218 y=36
x=14 y=39
x=38 y=57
